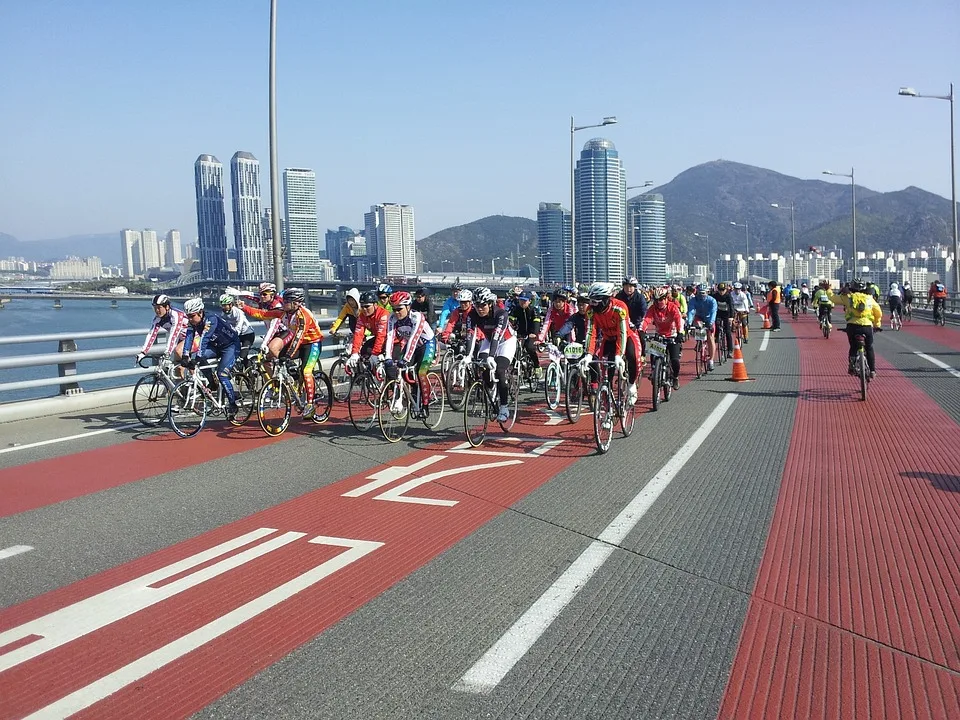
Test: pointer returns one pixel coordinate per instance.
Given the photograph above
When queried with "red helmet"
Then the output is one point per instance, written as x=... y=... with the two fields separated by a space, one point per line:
x=400 y=297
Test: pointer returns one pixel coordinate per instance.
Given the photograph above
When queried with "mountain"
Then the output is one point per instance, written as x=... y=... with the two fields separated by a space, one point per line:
x=106 y=246
x=501 y=239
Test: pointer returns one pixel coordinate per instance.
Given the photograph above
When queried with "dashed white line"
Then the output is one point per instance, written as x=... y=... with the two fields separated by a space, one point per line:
x=938 y=363
x=766 y=339
x=41 y=443
x=494 y=665
x=14 y=550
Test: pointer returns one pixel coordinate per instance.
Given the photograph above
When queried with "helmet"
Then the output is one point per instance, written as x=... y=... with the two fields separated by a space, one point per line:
x=193 y=305
x=721 y=286
x=456 y=287
x=421 y=291
x=464 y=296
x=660 y=293
x=894 y=286
x=368 y=298
x=384 y=289
x=560 y=294
x=858 y=285
x=292 y=295
x=516 y=290
x=702 y=289
x=355 y=294
x=600 y=291
x=484 y=297
x=161 y=299
x=906 y=286
x=478 y=291
x=401 y=298
x=227 y=299
x=738 y=286
x=803 y=285
x=267 y=287
x=630 y=281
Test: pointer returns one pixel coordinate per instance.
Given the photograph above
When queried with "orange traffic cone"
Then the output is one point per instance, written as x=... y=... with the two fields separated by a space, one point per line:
x=739 y=368
x=766 y=321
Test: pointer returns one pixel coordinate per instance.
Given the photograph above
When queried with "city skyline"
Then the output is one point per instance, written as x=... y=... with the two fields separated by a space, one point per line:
x=600 y=194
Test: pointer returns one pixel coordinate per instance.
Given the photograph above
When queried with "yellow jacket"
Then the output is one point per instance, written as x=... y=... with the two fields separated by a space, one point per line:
x=682 y=302
x=822 y=297
x=860 y=309
x=344 y=312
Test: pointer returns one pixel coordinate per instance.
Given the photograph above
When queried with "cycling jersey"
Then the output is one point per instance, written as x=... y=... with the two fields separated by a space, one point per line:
x=494 y=327
x=574 y=329
x=301 y=328
x=822 y=297
x=412 y=331
x=347 y=311
x=861 y=309
x=216 y=335
x=174 y=322
x=703 y=307
x=667 y=322
x=554 y=320
x=937 y=291
x=724 y=305
x=681 y=302
x=741 y=301
x=524 y=320
x=636 y=306
x=613 y=323
x=449 y=305
x=238 y=320
x=272 y=323
x=376 y=324
x=457 y=317
x=894 y=292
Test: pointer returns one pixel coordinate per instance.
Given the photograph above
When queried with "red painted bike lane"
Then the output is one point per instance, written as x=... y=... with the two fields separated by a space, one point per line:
x=855 y=609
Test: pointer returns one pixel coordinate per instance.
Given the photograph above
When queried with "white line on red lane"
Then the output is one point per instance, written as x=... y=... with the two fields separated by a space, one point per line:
x=494 y=665
x=938 y=363
x=14 y=550
x=41 y=443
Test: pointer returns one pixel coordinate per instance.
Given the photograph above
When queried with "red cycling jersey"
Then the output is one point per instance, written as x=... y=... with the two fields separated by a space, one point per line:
x=613 y=323
x=376 y=324
x=667 y=321
x=555 y=319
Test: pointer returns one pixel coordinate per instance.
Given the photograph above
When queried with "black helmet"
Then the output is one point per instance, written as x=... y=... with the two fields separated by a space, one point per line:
x=292 y=295
x=368 y=297
x=560 y=294
x=858 y=285
x=161 y=299
x=421 y=291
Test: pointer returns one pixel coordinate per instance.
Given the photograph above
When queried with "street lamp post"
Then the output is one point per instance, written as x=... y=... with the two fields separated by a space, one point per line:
x=274 y=164
x=611 y=120
x=746 y=229
x=706 y=238
x=793 y=236
x=910 y=92
x=853 y=202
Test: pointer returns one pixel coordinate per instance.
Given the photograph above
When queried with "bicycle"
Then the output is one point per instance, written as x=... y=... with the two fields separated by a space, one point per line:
x=364 y=396
x=939 y=316
x=529 y=372
x=555 y=375
x=454 y=377
x=739 y=329
x=611 y=405
x=482 y=402
x=151 y=394
x=908 y=311
x=721 y=343
x=861 y=368
x=286 y=389
x=701 y=354
x=661 y=371
x=340 y=375
x=896 y=321
x=400 y=399
x=577 y=384
x=191 y=401
x=825 y=325
x=793 y=309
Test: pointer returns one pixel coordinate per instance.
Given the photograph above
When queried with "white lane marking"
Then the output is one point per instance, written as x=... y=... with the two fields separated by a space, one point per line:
x=545 y=446
x=41 y=443
x=85 y=616
x=390 y=474
x=766 y=339
x=553 y=417
x=396 y=494
x=14 y=550
x=938 y=363
x=490 y=669
x=119 y=679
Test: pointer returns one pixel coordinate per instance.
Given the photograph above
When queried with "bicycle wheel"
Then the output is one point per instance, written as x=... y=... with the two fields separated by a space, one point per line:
x=476 y=413
x=340 y=380
x=274 y=406
x=151 y=400
x=603 y=418
x=363 y=401
x=699 y=365
x=551 y=385
x=322 y=397
x=573 y=394
x=393 y=410
x=656 y=378
x=456 y=380
x=434 y=410
x=862 y=374
x=513 y=402
x=627 y=411
x=666 y=382
x=187 y=409
x=246 y=395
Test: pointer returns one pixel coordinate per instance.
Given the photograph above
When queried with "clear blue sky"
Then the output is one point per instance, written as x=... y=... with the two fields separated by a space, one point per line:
x=459 y=109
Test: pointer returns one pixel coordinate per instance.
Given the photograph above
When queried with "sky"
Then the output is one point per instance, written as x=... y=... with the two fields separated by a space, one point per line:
x=459 y=109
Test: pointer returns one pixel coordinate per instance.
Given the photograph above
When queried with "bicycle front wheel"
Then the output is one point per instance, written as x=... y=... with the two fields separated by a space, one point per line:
x=656 y=377
x=393 y=411
x=456 y=381
x=626 y=409
x=862 y=373
x=573 y=395
x=363 y=402
x=243 y=389
x=188 y=408
x=551 y=385
x=434 y=409
x=699 y=365
x=273 y=407
x=322 y=397
x=151 y=398
x=476 y=413
x=603 y=418
x=340 y=380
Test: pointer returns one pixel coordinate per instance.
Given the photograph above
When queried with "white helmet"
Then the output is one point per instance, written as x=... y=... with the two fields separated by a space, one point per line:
x=894 y=286
x=193 y=305
x=355 y=294
x=464 y=296
x=601 y=290
x=486 y=296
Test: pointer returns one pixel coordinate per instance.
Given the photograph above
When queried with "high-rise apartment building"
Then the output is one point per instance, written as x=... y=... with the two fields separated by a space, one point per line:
x=729 y=269
x=211 y=223
x=391 y=243
x=173 y=250
x=553 y=243
x=131 y=252
x=601 y=198
x=648 y=235
x=303 y=238
x=151 y=250
x=247 y=226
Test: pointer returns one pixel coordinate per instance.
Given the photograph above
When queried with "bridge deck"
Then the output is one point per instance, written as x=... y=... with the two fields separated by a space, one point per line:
x=767 y=549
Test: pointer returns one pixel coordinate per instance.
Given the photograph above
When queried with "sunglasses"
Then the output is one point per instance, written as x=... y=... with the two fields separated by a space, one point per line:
x=267 y=292
x=368 y=305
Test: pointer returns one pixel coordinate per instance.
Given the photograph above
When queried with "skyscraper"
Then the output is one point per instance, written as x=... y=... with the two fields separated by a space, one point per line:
x=333 y=240
x=601 y=197
x=172 y=248
x=553 y=242
x=651 y=237
x=211 y=224
x=391 y=243
x=303 y=238
x=152 y=257
x=247 y=228
x=131 y=251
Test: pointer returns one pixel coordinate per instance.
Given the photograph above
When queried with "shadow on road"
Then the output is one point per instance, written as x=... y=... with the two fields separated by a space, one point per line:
x=941 y=481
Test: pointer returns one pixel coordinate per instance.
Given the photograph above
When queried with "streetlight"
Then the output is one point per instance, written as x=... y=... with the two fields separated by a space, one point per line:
x=445 y=261
x=793 y=235
x=746 y=226
x=853 y=187
x=274 y=163
x=633 y=223
x=705 y=238
x=610 y=120
x=910 y=92
x=479 y=260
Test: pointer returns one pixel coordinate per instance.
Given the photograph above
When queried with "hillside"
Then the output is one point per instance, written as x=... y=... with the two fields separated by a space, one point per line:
x=106 y=246
x=497 y=236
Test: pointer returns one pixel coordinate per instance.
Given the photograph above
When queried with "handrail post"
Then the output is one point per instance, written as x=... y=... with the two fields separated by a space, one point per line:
x=68 y=369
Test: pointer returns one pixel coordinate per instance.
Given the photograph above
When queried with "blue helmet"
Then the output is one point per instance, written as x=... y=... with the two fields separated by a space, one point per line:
x=702 y=289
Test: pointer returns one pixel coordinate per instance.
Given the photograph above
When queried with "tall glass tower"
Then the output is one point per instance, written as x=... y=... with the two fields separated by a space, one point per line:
x=211 y=223
x=303 y=237
x=553 y=242
x=391 y=243
x=247 y=227
x=600 y=192
x=651 y=239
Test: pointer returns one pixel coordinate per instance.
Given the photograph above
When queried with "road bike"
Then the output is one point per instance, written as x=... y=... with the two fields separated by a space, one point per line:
x=577 y=386
x=701 y=355
x=939 y=316
x=151 y=394
x=611 y=405
x=555 y=374
x=908 y=311
x=400 y=400
x=192 y=401
x=896 y=321
x=285 y=390
x=482 y=402
x=825 y=324
x=364 y=396
x=661 y=371
x=794 y=306
x=740 y=329
x=454 y=374
x=340 y=374
x=861 y=368
x=530 y=373
x=721 y=342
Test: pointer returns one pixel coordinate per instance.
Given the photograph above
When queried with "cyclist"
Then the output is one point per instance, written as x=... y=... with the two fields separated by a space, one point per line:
x=793 y=298
x=822 y=299
x=667 y=321
x=774 y=298
x=449 y=305
x=170 y=319
x=526 y=323
x=351 y=306
x=498 y=346
x=373 y=318
x=895 y=300
x=459 y=315
x=410 y=342
x=874 y=290
x=610 y=318
x=266 y=300
x=575 y=328
x=238 y=320
x=383 y=296
x=703 y=308
x=218 y=339
x=677 y=296
x=862 y=314
x=724 y=313
x=515 y=292
x=938 y=295
x=804 y=296
x=422 y=304
x=907 y=298
x=558 y=314
x=635 y=301
x=742 y=302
